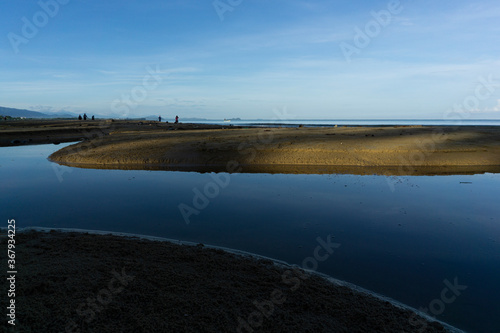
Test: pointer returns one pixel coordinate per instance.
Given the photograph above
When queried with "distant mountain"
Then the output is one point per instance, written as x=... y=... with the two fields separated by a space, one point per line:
x=22 y=113
x=35 y=114
x=62 y=114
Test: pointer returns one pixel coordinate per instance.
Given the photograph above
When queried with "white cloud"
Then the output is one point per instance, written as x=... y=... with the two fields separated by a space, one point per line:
x=404 y=21
x=476 y=11
x=496 y=108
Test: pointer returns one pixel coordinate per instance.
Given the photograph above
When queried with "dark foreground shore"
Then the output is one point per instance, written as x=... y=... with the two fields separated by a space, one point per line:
x=74 y=282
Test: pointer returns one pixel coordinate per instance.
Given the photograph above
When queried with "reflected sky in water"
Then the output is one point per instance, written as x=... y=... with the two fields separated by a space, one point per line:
x=400 y=236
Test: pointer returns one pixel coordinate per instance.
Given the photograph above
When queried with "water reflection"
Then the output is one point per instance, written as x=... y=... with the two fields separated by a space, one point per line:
x=399 y=236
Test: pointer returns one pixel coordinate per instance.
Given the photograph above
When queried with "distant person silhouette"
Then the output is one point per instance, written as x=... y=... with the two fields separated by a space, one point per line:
x=84 y=116
x=93 y=117
x=79 y=117
x=176 y=119
x=159 y=119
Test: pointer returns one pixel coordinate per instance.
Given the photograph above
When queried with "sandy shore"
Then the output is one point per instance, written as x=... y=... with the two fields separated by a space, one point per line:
x=400 y=150
x=73 y=282
x=358 y=150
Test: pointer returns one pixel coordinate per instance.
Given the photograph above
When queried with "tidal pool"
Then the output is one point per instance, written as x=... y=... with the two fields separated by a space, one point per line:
x=408 y=238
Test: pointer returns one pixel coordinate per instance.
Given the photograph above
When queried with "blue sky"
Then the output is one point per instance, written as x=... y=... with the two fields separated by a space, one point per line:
x=253 y=58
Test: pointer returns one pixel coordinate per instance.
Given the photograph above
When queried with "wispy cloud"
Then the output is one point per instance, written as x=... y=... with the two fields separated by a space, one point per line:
x=476 y=11
x=268 y=53
x=493 y=109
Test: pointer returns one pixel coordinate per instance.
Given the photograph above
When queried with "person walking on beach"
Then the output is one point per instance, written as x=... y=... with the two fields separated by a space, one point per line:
x=93 y=117
x=84 y=116
x=79 y=117
x=176 y=119
x=159 y=119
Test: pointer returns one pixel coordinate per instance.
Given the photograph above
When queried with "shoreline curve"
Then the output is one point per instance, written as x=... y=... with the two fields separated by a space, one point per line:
x=335 y=283
x=411 y=150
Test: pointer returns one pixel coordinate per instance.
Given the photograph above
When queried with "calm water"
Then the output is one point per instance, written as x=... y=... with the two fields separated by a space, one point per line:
x=399 y=236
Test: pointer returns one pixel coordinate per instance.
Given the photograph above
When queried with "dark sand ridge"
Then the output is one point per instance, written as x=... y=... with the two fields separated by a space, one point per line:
x=401 y=150
x=19 y=132
x=66 y=283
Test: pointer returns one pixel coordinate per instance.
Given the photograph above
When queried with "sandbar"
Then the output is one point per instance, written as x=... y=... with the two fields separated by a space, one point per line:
x=149 y=145
x=355 y=150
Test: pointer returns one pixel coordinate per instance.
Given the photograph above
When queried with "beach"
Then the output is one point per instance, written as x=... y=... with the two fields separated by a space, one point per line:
x=78 y=282
x=394 y=150
x=150 y=145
